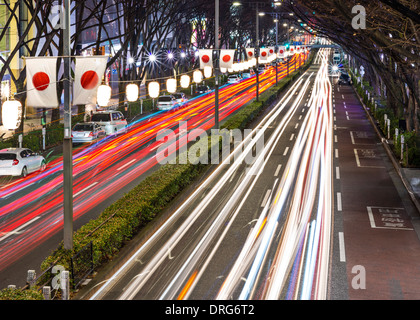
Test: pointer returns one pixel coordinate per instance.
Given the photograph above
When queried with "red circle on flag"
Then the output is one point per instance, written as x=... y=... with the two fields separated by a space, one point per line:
x=41 y=80
x=205 y=58
x=281 y=51
x=271 y=50
x=250 y=53
x=264 y=53
x=226 y=58
x=89 y=80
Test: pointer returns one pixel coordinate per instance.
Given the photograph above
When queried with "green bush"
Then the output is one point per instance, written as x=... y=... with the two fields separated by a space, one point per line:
x=16 y=294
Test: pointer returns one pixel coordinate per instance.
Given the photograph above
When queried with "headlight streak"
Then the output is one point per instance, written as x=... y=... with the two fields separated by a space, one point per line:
x=159 y=257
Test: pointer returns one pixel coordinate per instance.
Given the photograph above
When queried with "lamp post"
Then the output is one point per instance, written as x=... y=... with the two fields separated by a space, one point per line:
x=216 y=67
x=67 y=142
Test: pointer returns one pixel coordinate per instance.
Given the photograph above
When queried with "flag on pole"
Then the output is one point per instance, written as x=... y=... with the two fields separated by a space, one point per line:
x=87 y=78
x=264 y=54
x=282 y=52
x=41 y=74
x=206 y=58
x=226 y=58
x=250 y=53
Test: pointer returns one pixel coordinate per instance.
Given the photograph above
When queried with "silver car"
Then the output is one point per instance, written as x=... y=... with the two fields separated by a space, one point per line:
x=20 y=162
x=166 y=102
x=87 y=132
x=112 y=121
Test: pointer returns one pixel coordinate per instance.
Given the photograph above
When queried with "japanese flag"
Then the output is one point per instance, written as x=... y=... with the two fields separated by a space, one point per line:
x=292 y=50
x=206 y=58
x=87 y=78
x=282 y=52
x=298 y=49
x=41 y=74
x=250 y=53
x=226 y=58
x=264 y=54
x=271 y=51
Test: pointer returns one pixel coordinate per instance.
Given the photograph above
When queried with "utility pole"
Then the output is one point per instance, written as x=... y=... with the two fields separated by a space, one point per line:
x=216 y=67
x=67 y=143
x=257 y=54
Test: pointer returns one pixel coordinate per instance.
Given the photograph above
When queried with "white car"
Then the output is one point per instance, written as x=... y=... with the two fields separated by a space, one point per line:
x=166 y=102
x=87 y=132
x=111 y=121
x=20 y=162
x=180 y=98
x=234 y=79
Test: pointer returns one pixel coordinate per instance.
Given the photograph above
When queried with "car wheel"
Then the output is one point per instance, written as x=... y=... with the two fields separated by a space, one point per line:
x=24 y=172
x=43 y=166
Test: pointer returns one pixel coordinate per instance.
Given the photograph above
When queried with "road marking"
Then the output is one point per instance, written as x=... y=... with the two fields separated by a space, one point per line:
x=127 y=164
x=357 y=157
x=300 y=117
x=352 y=137
x=335 y=138
x=297 y=125
x=292 y=136
x=267 y=194
x=277 y=170
x=87 y=188
x=336 y=153
x=339 y=205
x=285 y=151
x=342 y=247
x=342 y=96
x=337 y=173
x=16 y=231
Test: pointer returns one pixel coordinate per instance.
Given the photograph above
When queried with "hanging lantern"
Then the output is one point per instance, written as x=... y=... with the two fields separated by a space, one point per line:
x=154 y=89
x=223 y=70
x=11 y=114
x=208 y=71
x=185 y=81
x=171 y=85
x=198 y=76
x=103 y=95
x=132 y=92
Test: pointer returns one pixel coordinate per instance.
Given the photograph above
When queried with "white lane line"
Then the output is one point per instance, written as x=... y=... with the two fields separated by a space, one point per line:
x=16 y=231
x=267 y=195
x=336 y=153
x=127 y=164
x=342 y=247
x=285 y=151
x=335 y=138
x=339 y=204
x=87 y=188
x=342 y=96
x=297 y=125
x=352 y=137
x=337 y=173
x=277 y=170
x=292 y=136
x=357 y=157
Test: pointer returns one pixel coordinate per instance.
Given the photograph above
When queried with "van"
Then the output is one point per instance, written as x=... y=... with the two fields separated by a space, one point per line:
x=111 y=121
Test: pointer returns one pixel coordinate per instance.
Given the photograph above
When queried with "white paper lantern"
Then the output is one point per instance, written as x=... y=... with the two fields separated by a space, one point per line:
x=154 y=89
x=11 y=114
x=208 y=71
x=171 y=85
x=185 y=81
x=103 y=95
x=132 y=92
x=197 y=76
x=223 y=70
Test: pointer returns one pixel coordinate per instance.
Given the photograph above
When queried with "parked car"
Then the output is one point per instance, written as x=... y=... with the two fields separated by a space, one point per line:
x=180 y=98
x=202 y=89
x=111 y=121
x=87 y=132
x=166 y=102
x=234 y=78
x=20 y=162
x=344 y=79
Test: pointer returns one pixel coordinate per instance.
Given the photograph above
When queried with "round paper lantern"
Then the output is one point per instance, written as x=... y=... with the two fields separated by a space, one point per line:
x=171 y=85
x=154 y=89
x=208 y=71
x=103 y=95
x=223 y=70
x=197 y=76
x=185 y=81
x=132 y=92
x=11 y=114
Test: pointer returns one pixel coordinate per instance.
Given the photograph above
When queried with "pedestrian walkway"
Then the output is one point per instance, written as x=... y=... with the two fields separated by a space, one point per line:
x=381 y=246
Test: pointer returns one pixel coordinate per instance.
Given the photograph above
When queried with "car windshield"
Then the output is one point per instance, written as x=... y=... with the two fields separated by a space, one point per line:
x=165 y=99
x=100 y=117
x=83 y=127
x=178 y=96
x=7 y=156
